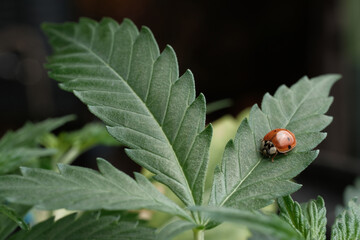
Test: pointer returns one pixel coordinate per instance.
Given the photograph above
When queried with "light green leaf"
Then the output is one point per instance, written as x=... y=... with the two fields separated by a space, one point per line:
x=11 y=214
x=12 y=159
x=309 y=220
x=292 y=213
x=261 y=236
x=218 y=105
x=174 y=228
x=352 y=192
x=78 y=188
x=315 y=214
x=30 y=134
x=246 y=179
x=87 y=226
x=121 y=75
x=271 y=224
x=19 y=147
x=347 y=224
x=69 y=145
x=90 y=135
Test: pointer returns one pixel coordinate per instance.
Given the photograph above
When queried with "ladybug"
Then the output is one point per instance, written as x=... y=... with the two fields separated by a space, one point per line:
x=276 y=141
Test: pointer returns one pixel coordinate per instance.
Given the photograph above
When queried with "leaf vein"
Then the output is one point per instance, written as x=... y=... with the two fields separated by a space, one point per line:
x=187 y=186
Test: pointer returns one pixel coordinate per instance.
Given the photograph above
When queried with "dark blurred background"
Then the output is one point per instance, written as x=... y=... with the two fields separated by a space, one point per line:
x=237 y=50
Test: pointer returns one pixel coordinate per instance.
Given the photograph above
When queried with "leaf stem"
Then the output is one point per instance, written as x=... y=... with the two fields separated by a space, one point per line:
x=198 y=234
x=69 y=156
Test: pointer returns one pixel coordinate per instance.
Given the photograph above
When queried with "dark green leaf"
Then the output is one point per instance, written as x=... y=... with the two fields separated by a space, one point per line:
x=121 y=75
x=7 y=226
x=11 y=214
x=79 y=188
x=87 y=226
x=246 y=179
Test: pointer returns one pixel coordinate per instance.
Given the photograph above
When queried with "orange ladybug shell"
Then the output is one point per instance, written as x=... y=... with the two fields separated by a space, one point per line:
x=283 y=139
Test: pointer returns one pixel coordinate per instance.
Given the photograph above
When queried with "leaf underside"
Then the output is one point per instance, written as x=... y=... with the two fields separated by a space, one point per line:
x=126 y=82
x=78 y=188
x=120 y=74
x=246 y=179
x=87 y=226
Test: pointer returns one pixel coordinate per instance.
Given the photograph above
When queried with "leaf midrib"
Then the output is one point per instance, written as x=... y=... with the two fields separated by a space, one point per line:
x=239 y=184
x=72 y=40
x=252 y=169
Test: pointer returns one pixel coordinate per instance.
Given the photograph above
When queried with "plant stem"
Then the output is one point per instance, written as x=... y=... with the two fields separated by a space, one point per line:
x=69 y=156
x=198 y=234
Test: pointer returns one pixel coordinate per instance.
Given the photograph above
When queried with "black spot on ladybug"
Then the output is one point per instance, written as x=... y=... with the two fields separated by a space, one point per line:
x=289 y=147
x=288 y=140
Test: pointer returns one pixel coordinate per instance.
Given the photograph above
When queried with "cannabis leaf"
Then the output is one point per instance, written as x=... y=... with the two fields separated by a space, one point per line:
x=69 y=145
x=174 y=228
x=121 y=75
x=7 y=226
x=11 y=214
x=271 y=224
x=309 y=220
x=247 y=180
x=347 y=224
x=19 y=147
x=87 y=226
x=79 y=188
x=352 y=192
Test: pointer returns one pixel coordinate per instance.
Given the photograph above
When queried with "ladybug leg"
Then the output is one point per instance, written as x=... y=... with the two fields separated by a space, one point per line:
x=272 y=159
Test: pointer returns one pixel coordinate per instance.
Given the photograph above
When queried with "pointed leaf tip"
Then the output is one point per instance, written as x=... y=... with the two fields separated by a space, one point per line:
x=120 y=77
x=243 y=166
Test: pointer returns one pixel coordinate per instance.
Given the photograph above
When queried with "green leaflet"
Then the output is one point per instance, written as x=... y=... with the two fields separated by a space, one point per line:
x=69 y=145
x=246 y=179
x=30 y=134
x=13 y=215
x=347 y=224
x=121 y=75
x=352 y=192
x=87 y=226
x=174 y=228
x=271 y=224
x=19 y=147
x=309 y=220
x=7 y=226
x=79 y=188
